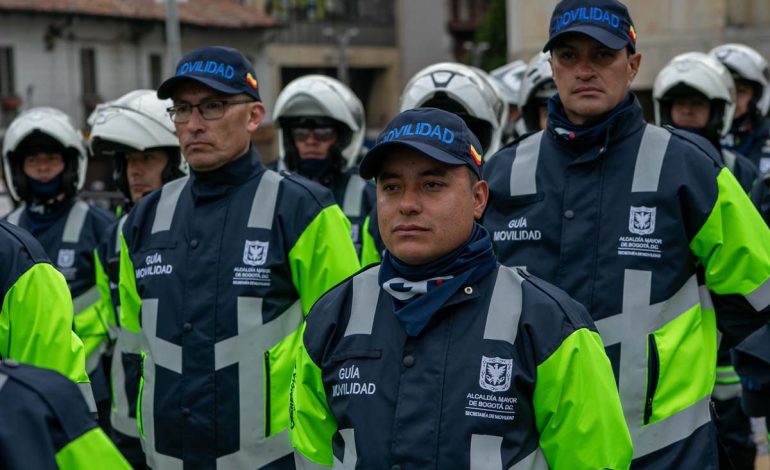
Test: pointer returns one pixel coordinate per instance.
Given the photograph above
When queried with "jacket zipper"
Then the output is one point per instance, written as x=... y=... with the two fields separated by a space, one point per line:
x=267 y=393
x=653 y=367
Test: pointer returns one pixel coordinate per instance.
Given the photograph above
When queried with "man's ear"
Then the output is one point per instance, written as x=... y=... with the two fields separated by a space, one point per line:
x=634 y=60
x=256 y=114
x=480 y=192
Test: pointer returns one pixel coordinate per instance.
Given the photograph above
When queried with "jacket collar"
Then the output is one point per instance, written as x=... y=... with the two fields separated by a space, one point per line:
x=216 y=183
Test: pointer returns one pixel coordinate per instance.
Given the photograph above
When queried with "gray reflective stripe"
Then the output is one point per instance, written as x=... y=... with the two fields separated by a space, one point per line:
x=3 y=379
x=727 y=391
x=366 y=296
x=88 y=396
x=354 y=194
x=253 y=339
x=75 y=221
x=534 y=461
x=706 y=302
x=265 y=200
x=486 y=452
x=94 y=359
x=524 y=167
x=169 y=196
x=303 y=463
x=760 y=297
x=350 y=457
x=127 y=342
x=630 y=329
x=649 y=159
x=729 y=158
x=505 y=307
x=15 y=216
x=673 y=429
x=164 y=354
x=86 y=299
x=121 y=222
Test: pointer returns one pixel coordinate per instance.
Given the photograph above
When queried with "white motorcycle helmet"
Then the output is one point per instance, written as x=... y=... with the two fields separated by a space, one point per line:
x=747 y=64
x=137 y=121
x=460 y=89
x=704 y=74
x=43 y=129
x=537 y=87
x=318 y=99
x=510 y=75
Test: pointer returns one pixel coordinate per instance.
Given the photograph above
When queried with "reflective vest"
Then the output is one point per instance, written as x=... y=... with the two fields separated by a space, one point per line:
x=625 y=228
x=214 y=281
x=36 y=316
x=45 y=424
x=509 y=374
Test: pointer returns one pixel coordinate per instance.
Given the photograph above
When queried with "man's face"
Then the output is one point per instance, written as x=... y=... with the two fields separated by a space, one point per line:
x=591 y=79
x=314 y=142
x=210 y=144
x=693 y=113
x=144 y=171
x=744 y=93
x=426 y=208
x=43 y=166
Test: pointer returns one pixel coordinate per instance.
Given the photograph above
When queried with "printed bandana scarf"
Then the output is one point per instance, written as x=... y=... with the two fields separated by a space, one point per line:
x=440 y=279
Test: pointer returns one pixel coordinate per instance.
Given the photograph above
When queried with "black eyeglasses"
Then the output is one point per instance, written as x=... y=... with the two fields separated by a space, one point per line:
x=210 y=110
x=321 y=134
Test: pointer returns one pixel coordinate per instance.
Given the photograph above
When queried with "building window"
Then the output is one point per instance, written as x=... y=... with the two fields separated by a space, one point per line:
x=156 y=70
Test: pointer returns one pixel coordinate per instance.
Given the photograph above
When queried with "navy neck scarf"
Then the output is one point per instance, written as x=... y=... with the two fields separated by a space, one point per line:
x=418 y=292
x=585 y=134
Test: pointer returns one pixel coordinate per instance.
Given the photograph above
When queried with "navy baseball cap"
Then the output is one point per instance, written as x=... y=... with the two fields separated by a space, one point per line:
x=222 y=68
x=436 y=133
x=607 y=21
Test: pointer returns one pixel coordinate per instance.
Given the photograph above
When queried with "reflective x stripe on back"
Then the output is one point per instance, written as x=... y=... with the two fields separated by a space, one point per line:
x=630 y=329
x=169 y=196
x=354 y=190
x=15 y=216
x=524 y=166
x=649 y=159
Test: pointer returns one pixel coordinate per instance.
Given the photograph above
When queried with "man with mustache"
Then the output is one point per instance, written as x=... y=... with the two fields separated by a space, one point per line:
x=636 y=222
x=440 y=357
x=216 y=274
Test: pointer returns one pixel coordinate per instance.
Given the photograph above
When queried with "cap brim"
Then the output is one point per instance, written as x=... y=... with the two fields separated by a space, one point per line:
x=166 y=89
x=370 y=165
x=600 y=34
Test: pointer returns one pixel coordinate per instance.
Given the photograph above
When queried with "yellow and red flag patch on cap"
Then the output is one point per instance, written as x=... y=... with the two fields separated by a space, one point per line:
x=632 y=33
x=476 y=156
x=251 y=81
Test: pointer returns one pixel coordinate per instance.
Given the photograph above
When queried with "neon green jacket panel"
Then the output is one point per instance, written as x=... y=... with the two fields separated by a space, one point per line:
x=312 y=424
x=369 y=253
x=733 y=245
x=36 y=324
x=93 y=450
x=323 y=256
x=130 y=302
x=577 y=407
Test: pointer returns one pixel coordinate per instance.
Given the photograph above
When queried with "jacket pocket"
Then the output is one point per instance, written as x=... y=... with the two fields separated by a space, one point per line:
x=653 y=372
x=516 y=201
